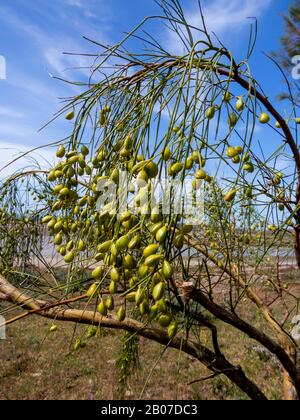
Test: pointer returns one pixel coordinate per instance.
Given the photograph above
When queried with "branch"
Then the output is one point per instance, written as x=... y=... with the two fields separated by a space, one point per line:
x=233 y=272
x=212 y=361
x=232 y=319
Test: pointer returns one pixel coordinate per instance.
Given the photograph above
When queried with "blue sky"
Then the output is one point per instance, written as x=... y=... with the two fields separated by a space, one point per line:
x=36 y=33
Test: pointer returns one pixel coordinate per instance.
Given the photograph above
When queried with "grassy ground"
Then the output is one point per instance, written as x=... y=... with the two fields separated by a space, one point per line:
x=36 y=364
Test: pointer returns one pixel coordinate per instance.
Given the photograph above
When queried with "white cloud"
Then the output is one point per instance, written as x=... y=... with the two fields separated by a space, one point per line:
x=15 y=130
x=12 y=159
x=76 y=3
x=230 y=15
x=223 y=17
x=10 y=113
x=65 y=63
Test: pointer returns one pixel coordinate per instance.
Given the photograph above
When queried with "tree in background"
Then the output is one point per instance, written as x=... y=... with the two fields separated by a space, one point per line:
x=291 y=49
x=143 y=269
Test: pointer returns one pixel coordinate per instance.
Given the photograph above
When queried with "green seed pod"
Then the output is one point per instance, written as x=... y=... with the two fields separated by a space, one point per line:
x=264 y=118
x=115 y=176
x=57 y=189
x=142 y=178
x=240 y=104
x=69 y=257
x=81 y=245
x=78 y=345
x=210 y=113
x=153 y=260
x=165 y=320
x=92 y=291
x=46 y=219
x=167 y=270
x=102 y=309
x=122 y=243
x=70 y=245
x=115 y=275
x=58 y=174
x=51 y=224
x=125 y=217
x=248 y=192
x=130 y=297
x=150 y=250
x=172 y=330
x=161 y=234
x=156 y=216
x=121 y=315
x=53 y=328
x=58 y=239
x=64 y=192
x=236 y=160
x=84 y=150
x=201 y=174
x=231 y=152
x=140 y=296
x=227 y=97
x=88 y=170
x=110 y=303
x=91 y=332
x=105 y=247
x=233 y=119
x=128 y=261
x=103 y=118
x=62 y=251
x=113 y=288
x=128 y=142
x=99 y=257
x=82 y=162
x=175 y=169
x=166 y=154
x=248 y=167
x=135 y=242
x=61 y=151
x=161 y=306
x=144 y=308
x=73 y=160
x=52 y=176
x=189 y=163
x=71 y=154
x=178 y=241
x=57 y=206
x=186 y=229
x=143 y=271
x=70 y=116
x=246 y=157
x=153 y=313
x=156 y=278
x=155 y=228
x=159 y=291
x=230 y=196
x=151 y=169
x=139 y=167
x=113 y=250
x=98 y=272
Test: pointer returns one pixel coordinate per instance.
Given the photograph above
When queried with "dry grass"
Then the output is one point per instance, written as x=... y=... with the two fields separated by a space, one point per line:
x=36 y=364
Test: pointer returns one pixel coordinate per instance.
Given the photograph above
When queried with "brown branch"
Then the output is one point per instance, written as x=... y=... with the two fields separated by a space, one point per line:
x=232 y=319
x=233 y=272
x=212 y=361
